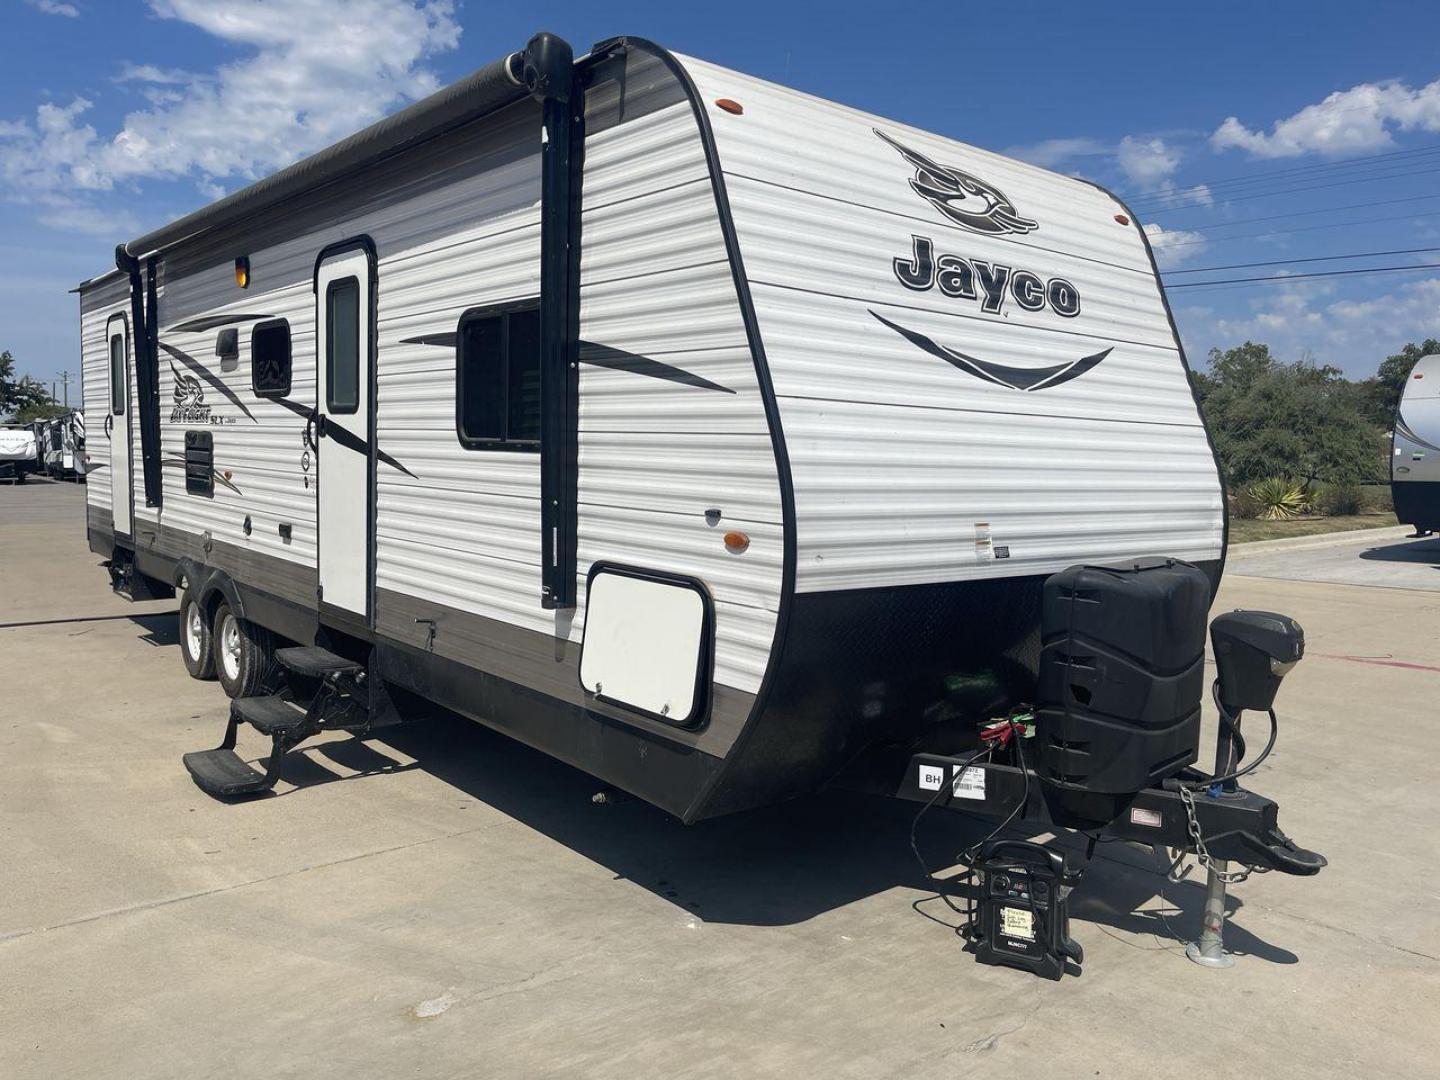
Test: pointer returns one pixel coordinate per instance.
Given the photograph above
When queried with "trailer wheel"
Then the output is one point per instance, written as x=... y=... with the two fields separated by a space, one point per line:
x=196 y=647
x=244 y=653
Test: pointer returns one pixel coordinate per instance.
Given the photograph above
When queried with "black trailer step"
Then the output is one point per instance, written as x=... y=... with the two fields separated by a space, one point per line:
x=271 y=715
x=316 y=662
x=224 y=773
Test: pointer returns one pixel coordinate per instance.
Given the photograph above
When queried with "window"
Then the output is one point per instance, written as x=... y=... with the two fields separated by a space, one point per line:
x=497 y=378
x=270 y=359
x=342 y=345
x=117 y=375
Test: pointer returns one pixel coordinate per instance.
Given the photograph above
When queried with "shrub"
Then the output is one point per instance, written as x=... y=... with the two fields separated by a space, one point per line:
x=1378 y=499
x=1277 y=499
x=1335 y=500
x=1242 y=506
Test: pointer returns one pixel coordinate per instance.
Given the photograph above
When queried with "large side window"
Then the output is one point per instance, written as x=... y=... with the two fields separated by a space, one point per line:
x=497 y=378
x=270 y=358
x=117 y=375
x=342 y=346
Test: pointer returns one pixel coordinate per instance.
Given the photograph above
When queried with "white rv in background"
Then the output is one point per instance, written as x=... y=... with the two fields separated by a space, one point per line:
x=62 y=441
x=19 y=452
x=1415 y=457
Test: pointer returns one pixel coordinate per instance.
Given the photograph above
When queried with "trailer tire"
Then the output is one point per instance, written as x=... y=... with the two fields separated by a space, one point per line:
x=244 y=653
x=196 y=645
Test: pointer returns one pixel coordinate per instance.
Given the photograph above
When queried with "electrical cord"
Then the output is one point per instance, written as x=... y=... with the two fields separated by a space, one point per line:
x=1232 y=722
x=947 y=788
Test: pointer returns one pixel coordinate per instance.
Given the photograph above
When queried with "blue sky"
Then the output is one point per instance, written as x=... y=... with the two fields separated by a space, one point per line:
x=1242 y=132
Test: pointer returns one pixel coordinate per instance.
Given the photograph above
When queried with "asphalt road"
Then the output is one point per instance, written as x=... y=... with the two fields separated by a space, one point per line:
x=446 y=903
x=1391 y=561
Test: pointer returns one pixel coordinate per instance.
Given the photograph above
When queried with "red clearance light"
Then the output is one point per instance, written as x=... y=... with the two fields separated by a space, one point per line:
x=1122 y=219
x=1419 y=375
x=726 y=104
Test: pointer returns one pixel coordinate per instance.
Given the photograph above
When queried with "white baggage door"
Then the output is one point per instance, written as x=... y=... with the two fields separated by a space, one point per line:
x=117 y=425
x=344 y=335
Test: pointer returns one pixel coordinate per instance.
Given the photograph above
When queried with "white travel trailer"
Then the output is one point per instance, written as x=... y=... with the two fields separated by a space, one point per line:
x=1415 y=456
x=63 y=446
x=19 y=451
x=701 y=433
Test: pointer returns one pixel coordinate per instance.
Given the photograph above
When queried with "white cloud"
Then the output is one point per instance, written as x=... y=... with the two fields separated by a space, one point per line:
x=1174 y=246
x=55 y=7
x=1305 y=318
x=151 y=73
x=317 y=70
x=1052 y=153
x=1148 y=163
x=1350 y=121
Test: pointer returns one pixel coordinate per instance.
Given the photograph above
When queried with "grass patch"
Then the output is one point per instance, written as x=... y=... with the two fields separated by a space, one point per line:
x=1243 y=530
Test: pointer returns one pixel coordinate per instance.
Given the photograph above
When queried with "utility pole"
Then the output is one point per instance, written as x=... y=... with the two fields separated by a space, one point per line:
x=65 y=382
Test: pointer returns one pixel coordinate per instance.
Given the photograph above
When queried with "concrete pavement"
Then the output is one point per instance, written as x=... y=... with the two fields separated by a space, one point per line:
x=446 y=903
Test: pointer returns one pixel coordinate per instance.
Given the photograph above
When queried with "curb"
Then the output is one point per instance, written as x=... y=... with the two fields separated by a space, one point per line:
x=1320 y=540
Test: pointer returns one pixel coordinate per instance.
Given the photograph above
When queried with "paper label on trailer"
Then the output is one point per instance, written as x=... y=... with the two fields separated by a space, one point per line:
x=984 y=544
x=970 y=784
x=1017 y=923
x=1141 y=816
x=931 y=777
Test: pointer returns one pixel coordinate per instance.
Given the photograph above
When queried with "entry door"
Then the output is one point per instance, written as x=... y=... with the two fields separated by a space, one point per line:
x=117 y=425
x=345 y=353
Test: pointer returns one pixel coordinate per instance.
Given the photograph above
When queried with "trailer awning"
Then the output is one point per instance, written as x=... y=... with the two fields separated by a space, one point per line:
x=491 y=87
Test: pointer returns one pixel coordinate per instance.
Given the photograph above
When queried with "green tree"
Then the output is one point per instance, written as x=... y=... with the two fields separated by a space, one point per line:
x=1298 y=420
x=19 y=395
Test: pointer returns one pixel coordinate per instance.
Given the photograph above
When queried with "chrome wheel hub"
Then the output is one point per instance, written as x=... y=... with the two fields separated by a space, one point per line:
x=194 y=630
x=230 y=647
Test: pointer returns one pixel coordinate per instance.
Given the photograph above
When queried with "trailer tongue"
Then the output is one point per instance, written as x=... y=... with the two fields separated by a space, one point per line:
x=1114 y=736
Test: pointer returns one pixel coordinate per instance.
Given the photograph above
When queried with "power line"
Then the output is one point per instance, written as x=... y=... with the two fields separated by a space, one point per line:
x=1300 y=228
x=1320 y=187
x=1193 y=190
x=1299 y=277
x=1291 y=262
x=1303 y=213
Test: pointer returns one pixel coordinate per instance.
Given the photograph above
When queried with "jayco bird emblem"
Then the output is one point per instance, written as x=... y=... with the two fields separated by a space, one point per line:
x=964 y=199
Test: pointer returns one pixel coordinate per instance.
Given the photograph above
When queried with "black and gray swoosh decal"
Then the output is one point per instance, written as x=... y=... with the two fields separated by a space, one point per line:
x=445 y=341
x=210 y=322
x=209 y=378
x=607 y=357
x=350 y=441
x=342 y=436
x=1012 y=378
x=619 y=360
x=1402 y=428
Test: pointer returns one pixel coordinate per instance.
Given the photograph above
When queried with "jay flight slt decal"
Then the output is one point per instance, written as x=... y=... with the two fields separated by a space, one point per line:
x=980 y=207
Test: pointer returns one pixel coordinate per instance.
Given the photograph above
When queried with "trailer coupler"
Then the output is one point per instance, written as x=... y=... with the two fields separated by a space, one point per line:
x=1235 y=826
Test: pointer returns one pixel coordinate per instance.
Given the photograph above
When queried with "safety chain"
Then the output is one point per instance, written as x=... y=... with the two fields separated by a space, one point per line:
x=1202 y=854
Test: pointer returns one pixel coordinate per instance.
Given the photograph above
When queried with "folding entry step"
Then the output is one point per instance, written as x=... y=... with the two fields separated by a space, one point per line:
x=339 y=703
x=316 y=662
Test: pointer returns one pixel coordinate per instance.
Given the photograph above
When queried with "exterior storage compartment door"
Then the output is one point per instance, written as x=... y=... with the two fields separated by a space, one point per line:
x=648 y=642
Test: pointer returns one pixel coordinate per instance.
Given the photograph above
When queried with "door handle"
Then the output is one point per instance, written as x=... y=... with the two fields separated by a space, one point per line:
x=314 y=430
x=109 y=423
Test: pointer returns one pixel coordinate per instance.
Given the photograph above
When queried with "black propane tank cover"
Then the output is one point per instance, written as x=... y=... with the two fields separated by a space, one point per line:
x=1122 y=672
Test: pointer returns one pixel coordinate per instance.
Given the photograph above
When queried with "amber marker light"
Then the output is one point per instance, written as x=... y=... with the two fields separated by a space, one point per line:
x=1122 y=219
x=736 y=543
x=729 y=105
x=242 y=271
